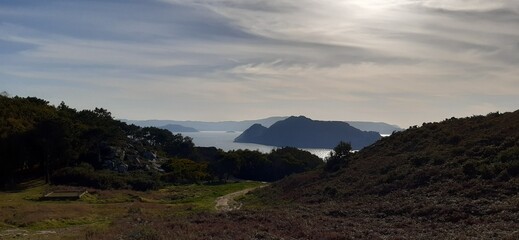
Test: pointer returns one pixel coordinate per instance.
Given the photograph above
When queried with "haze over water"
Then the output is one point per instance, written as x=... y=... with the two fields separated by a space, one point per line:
x=225 y=141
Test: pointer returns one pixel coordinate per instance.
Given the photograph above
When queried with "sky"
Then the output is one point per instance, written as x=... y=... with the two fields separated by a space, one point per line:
x=403 y=62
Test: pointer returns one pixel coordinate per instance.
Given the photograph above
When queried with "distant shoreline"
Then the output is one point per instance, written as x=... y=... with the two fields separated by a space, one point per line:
x=225 y=141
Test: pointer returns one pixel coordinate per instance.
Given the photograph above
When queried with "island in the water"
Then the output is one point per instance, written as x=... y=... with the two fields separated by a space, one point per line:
x=240 y=126
x=303 y=132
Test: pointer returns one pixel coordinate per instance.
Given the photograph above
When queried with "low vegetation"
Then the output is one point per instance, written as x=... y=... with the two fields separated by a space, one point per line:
x=457 y=179
x=450 y=180
x=99 y=211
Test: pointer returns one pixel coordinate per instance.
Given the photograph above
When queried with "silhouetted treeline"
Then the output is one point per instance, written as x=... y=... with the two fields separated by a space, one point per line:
x=90 y=148
x=254 y=165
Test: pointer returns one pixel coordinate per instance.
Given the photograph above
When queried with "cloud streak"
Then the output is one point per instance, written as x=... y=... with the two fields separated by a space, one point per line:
x=400 y=61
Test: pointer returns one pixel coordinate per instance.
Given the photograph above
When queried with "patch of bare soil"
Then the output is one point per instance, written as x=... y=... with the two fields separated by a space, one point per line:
x=228 y=203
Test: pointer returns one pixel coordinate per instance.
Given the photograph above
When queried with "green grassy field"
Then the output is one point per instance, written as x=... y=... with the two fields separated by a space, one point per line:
x=24 y=216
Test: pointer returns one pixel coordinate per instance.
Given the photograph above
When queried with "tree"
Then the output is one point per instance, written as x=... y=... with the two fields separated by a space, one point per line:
x=289 y=160
x=55 y=145
x=339 y=157
x=254 y=165
x=184 y=171
x=228 y=165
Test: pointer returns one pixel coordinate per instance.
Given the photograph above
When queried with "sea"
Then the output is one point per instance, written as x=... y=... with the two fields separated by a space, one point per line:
x=225 y=141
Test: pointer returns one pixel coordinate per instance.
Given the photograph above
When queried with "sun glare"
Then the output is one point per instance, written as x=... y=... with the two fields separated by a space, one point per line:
x=374 y=6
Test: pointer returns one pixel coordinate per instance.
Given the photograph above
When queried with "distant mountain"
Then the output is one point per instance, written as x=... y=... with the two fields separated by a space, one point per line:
x=380 y=127
x=303 y=132
x=240 y=126
x=176 y=128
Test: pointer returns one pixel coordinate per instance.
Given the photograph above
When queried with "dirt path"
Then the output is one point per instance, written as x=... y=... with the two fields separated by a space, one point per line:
x=227 y=203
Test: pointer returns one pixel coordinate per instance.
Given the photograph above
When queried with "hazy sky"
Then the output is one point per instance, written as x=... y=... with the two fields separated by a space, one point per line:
x=400 y=61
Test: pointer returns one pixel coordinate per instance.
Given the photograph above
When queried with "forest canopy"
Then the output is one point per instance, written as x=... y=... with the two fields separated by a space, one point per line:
x=90 y=148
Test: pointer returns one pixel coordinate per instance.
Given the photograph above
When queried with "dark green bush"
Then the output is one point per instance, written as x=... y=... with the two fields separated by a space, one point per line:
x=82 y=175
x=106 y=179
x=85 y=175
x=184 y=171
x=143 y=181
x=339 y=157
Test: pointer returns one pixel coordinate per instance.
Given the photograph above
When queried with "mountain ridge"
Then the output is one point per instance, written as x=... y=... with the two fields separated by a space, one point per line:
x=304 y=132
x=240 y=126
x=177 y=128
x=207 y=125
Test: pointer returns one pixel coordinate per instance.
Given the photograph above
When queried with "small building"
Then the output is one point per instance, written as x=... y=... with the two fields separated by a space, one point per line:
x=64 y=195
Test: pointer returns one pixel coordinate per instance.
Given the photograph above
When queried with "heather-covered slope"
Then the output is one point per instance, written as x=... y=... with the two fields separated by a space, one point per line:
x=451 y=180
x=454 y=179
x=479 y=149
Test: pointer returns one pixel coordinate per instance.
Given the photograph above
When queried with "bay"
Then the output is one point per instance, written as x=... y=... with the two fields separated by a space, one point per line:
x=225 y=141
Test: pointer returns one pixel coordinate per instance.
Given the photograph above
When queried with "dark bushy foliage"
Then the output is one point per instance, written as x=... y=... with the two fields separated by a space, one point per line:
x=279 y=163
x=143 y=181
x=41 y=140
x=65 y=146
x=339 y=157
x=184 y=171
x=85 y=175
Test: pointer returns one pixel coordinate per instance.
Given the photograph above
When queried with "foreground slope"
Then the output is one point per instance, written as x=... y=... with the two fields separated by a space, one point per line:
x=454 y=179
x=479 y=149
x=457 y=179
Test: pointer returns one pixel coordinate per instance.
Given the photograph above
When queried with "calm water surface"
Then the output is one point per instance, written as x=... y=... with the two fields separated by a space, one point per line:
x=224 y=140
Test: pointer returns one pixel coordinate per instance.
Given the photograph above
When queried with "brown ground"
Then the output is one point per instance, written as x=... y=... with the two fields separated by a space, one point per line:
x=228 y=202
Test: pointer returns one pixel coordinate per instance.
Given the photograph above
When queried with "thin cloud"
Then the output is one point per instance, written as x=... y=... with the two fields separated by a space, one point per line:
x=471 y=5
x=400 y=61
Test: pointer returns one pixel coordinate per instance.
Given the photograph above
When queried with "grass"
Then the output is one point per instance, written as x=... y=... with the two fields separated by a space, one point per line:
x=203 y=196
x=99 y=209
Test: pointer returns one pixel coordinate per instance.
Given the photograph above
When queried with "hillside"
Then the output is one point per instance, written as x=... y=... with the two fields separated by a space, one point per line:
x=480 y=148
x=455 y=179
x=303 y=132
x=86 y=147
x=89 y=148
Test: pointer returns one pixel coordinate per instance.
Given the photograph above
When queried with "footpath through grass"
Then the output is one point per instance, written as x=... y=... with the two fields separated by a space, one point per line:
x=23 y=211
x=204 y=196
